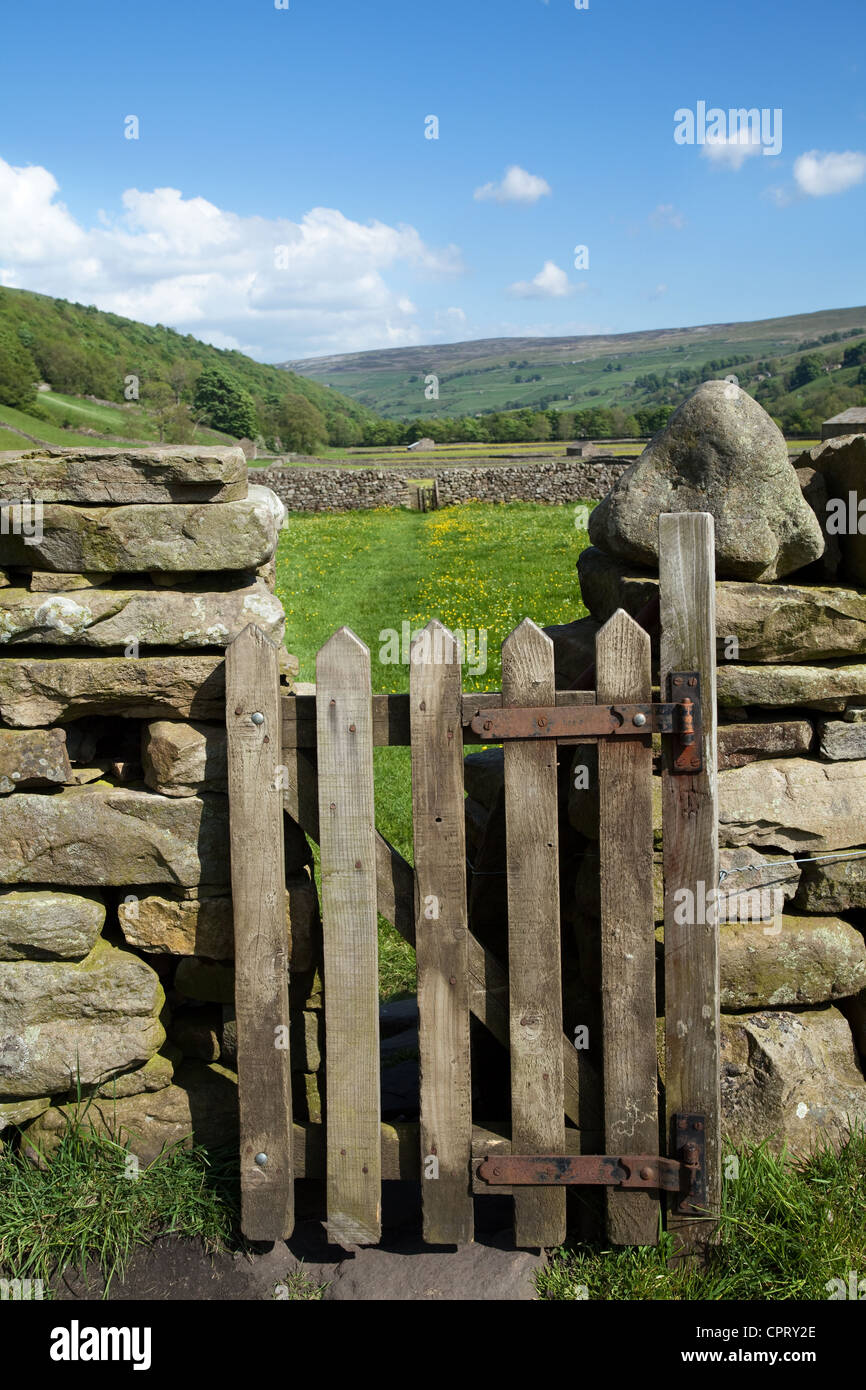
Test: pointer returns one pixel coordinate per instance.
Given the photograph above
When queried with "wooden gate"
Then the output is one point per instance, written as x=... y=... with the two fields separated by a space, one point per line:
x=313 y=755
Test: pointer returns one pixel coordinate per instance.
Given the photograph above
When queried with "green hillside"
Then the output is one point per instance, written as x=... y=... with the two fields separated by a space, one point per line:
x=115 y=379
x=628 y=371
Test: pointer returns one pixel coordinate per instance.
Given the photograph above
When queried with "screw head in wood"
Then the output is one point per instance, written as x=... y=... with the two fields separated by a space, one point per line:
x=261 y=1160
x=257 y=718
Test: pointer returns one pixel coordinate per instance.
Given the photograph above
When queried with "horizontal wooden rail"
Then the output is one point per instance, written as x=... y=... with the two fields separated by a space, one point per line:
x=391 y=717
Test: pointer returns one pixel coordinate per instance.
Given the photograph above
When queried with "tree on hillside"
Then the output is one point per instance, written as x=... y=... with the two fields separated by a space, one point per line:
x=302 y=427
x=182 y=376
x=227 y=406
x=809 y=368
x=18 y=374
x=343 y=430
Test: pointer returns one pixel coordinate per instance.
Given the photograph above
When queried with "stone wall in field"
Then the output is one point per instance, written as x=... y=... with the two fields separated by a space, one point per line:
x=331 y=489
x=791 y=652
x=118 y=596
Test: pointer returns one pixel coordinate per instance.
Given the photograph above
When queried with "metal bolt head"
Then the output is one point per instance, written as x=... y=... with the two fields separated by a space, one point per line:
x=257 y=718
x=261 y=1160
x=646 y=1174
x=639 y=719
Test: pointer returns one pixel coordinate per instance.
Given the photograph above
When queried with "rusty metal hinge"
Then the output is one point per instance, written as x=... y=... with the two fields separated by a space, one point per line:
x=685 y=1175
x=680 y=717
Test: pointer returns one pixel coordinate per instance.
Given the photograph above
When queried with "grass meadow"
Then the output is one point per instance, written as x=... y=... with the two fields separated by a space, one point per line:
x=480 y=566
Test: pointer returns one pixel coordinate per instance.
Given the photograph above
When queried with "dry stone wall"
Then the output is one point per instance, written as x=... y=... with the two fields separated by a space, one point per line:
x=348 y=489
x=120 y=587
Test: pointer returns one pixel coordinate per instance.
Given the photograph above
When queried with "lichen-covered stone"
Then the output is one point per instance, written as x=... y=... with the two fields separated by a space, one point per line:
x=720 y=452
x=49 y=582
x=833 y=885
x=21 y=1112
x=200 y=1106
x=39 y=690
x=169 y=473
x=129 y=539
x=828 y=687
x=793 y=804
x=156 y=1073
x=787 y=622
x=98 y=834
x=37 y=923
x=63 y=1023
x=790 y=1078
x=31 y=756
x=163 y=923
x=810 y=960
x=840 y=740
x=180 y=759
x=111 y=617
x=167 y=925
x=739 y=744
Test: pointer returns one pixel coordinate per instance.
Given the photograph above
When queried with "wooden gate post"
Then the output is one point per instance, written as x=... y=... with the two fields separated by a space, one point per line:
x=691 y=856
x=253 y=723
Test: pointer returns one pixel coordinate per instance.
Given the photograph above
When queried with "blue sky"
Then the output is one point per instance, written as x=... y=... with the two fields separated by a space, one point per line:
x=281 y=195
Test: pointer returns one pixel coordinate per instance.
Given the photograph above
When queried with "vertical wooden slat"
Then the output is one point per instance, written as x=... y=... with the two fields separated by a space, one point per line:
x=535 y=982
x=344 y=726
x=261 y=939
x=627 y=928
x=691 y=857
x=441 y=937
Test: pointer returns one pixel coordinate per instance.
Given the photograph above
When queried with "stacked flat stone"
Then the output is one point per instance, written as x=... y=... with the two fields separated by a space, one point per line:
x=118 y=596
x=791 y=752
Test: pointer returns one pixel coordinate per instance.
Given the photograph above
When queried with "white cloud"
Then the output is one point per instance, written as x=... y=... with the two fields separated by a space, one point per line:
x=517 y=187
x=659 y=290
x=549 y=283
x=666 y=215
x=734 y=149
x=819 y=174
x=281 y=288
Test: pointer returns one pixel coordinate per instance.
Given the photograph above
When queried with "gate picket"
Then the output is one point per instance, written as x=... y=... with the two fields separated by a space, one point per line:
x=441 y=937
x=535 y=983
x=691 y=855
x=631 y=1122
x=261 y=941
x=344 y=722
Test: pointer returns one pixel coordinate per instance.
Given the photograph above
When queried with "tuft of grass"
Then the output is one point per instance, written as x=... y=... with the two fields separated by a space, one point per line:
x=298 y=1286
x=90 y=1203
x=787 y=1228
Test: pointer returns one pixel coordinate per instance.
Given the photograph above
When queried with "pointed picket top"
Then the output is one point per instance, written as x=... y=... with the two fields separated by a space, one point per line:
x=527 y=651
x=436 y=645
x=251 y=636
x=622 y=652
x=343 y=641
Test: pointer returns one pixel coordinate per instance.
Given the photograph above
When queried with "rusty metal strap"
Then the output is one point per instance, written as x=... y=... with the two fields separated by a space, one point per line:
x=679 y=717
x=629 y=1170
